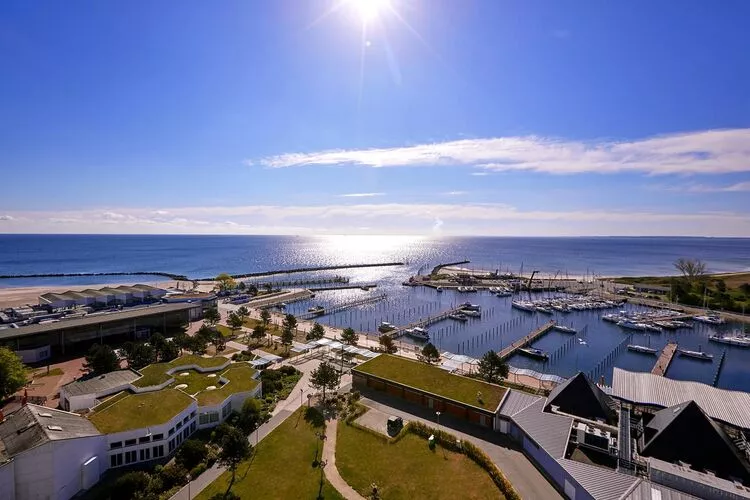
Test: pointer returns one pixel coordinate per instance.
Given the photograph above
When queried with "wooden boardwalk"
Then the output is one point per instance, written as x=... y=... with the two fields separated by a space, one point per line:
x=665 y=358
x=423 y=322
x=341 y=307
x=528 y=339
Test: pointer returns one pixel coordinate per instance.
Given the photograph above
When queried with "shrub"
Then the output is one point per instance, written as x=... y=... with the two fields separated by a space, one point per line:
x=129 y=484
x=230 y=495
x=191 y=453
x=173 y=475
x=288 y=370
x=198 y=470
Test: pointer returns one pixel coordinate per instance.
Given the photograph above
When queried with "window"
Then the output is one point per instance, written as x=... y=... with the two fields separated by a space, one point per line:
x=131 y=456
x=158 y=451
x=226 y=410
x=146 y=454
x=115 y=460
x=203 y=419
x=158 y=437
x=186 y=419
x=193 y=413
x=116 y=444
x=179 y=425
x=145 y=439
x=130 y=442
x=171 y=431
x=193 y=426
x=213 y=416
x=171 y=445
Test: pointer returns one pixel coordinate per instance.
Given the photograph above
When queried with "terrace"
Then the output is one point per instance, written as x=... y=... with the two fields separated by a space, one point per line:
x=135 y=411
x=434 y=380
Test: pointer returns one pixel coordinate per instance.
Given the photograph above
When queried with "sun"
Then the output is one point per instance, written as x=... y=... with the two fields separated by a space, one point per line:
x=369 y=9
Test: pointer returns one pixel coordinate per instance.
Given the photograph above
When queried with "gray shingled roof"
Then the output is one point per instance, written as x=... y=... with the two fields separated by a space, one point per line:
x=101 y=383
x=645 y=491
x=516 y=401
x=600 y=482
x=731 y=407
x=29 y=427
x=549 y=431
x=692 y=475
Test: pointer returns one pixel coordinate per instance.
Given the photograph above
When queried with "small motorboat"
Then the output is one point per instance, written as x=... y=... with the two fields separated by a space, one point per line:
x=523 y=306
x=642 y=349
x=533 y=353
x=386 y=327
x=468 y=306
x=317 y=310
x=459 y=316
x=418 y=333
x=696 y=354
x=564 y=329
x=711 y=319
x=503 y=294
x=544 y=310
x=439 y=289
x=472 y=313
x=739 y=339
x=631 y=325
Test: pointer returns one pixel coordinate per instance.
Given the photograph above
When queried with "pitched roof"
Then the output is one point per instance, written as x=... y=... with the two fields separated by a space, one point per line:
x=734 y=489
x=685 y=433
x=599 y=482
x=551 y=432
x=106 y=382
x=33 y=425
x=515 y=401
x=646 y=490
x=731 y=407
x=580 y=397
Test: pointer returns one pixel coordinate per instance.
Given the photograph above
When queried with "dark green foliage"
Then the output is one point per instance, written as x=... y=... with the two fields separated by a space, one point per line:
x=349 y=336
x=251 y=415
x=492 y=368
x=387 y=344
x=325 y=377
x=12 y=372
x=100 y=359
x=212 y=316
x=191 y=453
x=430 y=353
x=316 y=332
x=173 y=475
x=131 y=485
x=139 y=354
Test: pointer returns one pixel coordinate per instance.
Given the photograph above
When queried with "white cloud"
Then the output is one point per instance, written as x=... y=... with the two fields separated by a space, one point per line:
x=739 y=187
x=456 y=193
x=702 y=152
x=480 y=174
x=7 y=217
x=361 y=195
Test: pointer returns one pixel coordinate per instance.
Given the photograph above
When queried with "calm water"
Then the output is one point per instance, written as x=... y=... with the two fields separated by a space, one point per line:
x=205 y=256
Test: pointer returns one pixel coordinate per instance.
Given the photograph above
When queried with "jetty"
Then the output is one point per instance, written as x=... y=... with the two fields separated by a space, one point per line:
x=436 y=269
x=308 y=270
x=528 y=339
x=717 y=374
x=665 y=359
x=172 y=276
x=342 y=307
x=301 y=282
x=278 y=299
x=398 y=332
x=351 y=286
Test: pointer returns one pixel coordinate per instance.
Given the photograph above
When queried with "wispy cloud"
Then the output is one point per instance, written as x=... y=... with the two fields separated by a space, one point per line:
x=702 y=152
x=739 y=187
x=361 y=195
x=456 y=193
x=480 y=174
x=6 y=217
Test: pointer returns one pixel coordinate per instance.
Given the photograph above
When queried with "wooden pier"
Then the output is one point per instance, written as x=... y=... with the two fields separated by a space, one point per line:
x=341 y=307
x=528 y=339
x=352 y=286
x=665 y=359
x=423 y=322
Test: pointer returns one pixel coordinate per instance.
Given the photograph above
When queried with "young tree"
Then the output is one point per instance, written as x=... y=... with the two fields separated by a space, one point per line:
x=234 y=449
x=387 y=344
x=745 y=287
x=100 y=359
x=191 y=453
x=349 y=336
x=131 y=485
x=288 y=326
x=259 y=332
x=235 y=322
x=265 y=317
x=198 y=343
x=691 y=269
x=139 y=354
x=316 y=332
x=252 y=289
x=12 y=372
x=226 y=282
x=218 y=341
x=158 y=342
x=242 y=286
x=721 y=286
x=251 y=415
x=211 y=317
x=170 y=351
x=243 y=313
x=181 y=341
x=324 y=377
x=430 y=353
x=492 y=368
x=289 y=322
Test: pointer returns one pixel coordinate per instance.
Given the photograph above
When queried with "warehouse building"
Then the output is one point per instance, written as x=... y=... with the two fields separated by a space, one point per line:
x=121 y=295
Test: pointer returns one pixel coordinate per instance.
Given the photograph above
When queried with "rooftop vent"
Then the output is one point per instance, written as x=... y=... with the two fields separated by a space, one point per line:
x=45 y=414
x=54 y=427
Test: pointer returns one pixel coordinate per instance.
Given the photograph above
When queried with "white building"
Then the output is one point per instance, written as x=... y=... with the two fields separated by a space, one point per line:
x=48 y=454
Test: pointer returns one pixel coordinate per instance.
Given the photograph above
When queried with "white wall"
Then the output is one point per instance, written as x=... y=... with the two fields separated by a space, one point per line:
x=35 y=355
x=68 y=457
x=35 y=474
x=7 y=480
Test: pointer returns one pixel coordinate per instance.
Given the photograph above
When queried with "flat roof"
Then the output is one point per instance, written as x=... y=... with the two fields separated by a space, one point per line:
x=136 y=411
x=434 y=380
x=95 y=319
x=240 y=378
x=100 y=383
x=731 y=407
x=700 y=477
x=156 y=373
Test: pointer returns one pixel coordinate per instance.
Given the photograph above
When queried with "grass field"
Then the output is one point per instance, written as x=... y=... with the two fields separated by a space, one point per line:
x=434 y=380
x=282 y=466
x=157 y=373
x=135 y=411
x=408 y=469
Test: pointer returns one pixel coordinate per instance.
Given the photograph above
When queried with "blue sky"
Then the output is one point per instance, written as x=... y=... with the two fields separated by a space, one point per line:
x=444 y=117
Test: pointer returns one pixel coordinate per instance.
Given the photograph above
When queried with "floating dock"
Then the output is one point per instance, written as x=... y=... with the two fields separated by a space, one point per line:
x=424 y=322
x=342 y=307
x=528 y=339
x=352 y=286
x=665 y=359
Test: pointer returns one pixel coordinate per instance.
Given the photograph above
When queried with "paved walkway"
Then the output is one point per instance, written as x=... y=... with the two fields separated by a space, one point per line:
x=332 y=473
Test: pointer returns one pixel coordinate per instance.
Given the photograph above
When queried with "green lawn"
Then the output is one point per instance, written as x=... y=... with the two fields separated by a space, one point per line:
x=52 y=373
x=140 y=410
x=282 y=466
x=408 y=469
x=434 y=380
x=156 y=373
x=111 y=400
x=240 y=380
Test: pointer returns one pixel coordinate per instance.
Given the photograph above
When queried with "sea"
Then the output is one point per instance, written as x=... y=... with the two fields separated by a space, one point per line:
x=584 y=258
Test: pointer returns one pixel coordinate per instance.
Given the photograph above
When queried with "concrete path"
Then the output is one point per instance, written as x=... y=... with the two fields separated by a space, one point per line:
x=331 y=472
x=528 y=481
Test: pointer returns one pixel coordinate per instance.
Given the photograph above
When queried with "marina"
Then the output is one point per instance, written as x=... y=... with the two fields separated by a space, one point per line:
x=665 y=359
x=528 y=339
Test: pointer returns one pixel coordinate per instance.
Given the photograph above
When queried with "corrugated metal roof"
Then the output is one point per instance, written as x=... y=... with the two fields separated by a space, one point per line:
x=646 y=490
x=516 y=401
x=101 y=383
x=700 y=477
x=731 y=407
x=601 y=483
x=550 y=431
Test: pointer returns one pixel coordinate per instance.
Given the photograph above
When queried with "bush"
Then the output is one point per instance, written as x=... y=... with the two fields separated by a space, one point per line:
x=229 y=496
x=173 y=475
x=288 y=370
x=198 y=470
x=129 y=484
x=191 y=453
x=219 y=432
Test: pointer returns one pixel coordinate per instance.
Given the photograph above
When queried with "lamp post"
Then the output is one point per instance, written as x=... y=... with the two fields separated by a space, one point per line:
x=189 y=479
x=438 y=419
x=300 y=397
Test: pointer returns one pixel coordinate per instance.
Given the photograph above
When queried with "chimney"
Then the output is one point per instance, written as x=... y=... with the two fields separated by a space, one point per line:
x=25 y=398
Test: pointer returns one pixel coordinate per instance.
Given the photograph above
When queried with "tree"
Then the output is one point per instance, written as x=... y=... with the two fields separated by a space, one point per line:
x=218 y=341
x=100 y=359
x=691 y=269
x=349 y=336
x=324 y=377
x=251 y=415
x=182 y=341
x=243 y=313
x=211 y=317
x=430 y=353
x=316 y=332
x=492 y=368
x=138 y=354
x=12 y=372
x=265 y=317
x=259 y=332
x=225 y=282
x=252 y=289
x=191 y=453
x=287 y=330
x=198 y=342
x=170 y=351
x=242 y=286
x=130 y=485
x=745 y=287
x=387 y=344
x=235 y=322
x=158 y=342
x=234 y=449
x=721 y=286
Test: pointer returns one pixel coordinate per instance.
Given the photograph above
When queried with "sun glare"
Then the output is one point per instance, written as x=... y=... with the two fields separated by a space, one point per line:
x=369 y=9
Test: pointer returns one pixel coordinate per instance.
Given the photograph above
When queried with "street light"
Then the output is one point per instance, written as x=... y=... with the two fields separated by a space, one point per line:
x=300 y=397
x=189 y=479
x=438 y=419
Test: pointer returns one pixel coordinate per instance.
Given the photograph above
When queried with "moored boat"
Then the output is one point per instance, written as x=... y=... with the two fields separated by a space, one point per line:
x=503 y=293
x=386 y=327
x=459 y=316
x=711 y=319
x=631 y=325
x=642 y=349
x=739 y=340
x=472 y=313
x=564 y=329
x=468 y=306
x=418 y=333
x=696 y=354
x=544 y=310
x=533 y=353
x=523 y=306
